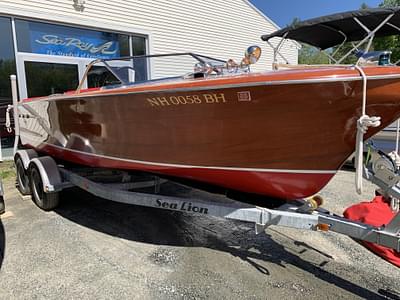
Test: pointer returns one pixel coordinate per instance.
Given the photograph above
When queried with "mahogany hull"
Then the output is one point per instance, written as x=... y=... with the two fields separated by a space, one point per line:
x=280 y=134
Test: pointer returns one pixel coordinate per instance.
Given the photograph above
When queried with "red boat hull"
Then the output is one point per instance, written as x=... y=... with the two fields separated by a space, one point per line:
x=274 y=184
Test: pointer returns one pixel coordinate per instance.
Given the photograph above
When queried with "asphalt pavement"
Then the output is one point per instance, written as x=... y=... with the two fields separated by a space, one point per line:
x=90 y=248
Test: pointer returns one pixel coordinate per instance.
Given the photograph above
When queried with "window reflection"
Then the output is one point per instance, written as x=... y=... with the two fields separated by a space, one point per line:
x=99 y=76
x=7 y=68
x=44 y=79
x=139 y=48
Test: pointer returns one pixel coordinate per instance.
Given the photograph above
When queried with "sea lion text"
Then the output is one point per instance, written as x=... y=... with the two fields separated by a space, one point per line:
x=183 y=206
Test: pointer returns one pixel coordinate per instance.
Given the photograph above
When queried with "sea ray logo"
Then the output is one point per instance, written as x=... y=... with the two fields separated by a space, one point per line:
x=104 y=49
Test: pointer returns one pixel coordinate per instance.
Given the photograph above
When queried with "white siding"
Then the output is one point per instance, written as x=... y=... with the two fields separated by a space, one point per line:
x=218 y=28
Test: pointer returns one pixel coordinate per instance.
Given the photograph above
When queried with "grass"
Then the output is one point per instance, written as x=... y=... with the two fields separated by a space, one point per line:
x=7 y=170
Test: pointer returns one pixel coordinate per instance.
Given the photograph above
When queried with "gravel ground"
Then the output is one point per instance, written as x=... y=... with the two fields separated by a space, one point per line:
x=90 y=248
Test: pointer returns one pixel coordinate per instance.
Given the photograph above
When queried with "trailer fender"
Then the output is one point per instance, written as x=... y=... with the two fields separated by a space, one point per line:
x=1 y=189
x=49 y=173
x=26 y=156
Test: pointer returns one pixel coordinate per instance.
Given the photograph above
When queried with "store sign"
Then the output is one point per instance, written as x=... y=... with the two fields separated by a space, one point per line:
x=77 y=46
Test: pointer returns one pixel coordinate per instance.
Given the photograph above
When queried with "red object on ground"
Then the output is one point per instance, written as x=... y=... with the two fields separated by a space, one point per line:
x=375 y=213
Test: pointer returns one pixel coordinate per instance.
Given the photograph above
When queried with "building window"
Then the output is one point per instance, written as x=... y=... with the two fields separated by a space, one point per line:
x=7 y=68
x=44 y=79
x=99 y=76
x=50 y=39
x=139 y=45
x=139 y=48
x=61 y=40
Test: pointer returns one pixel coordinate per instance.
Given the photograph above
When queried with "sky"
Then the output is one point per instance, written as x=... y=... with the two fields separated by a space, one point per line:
x=282 y=12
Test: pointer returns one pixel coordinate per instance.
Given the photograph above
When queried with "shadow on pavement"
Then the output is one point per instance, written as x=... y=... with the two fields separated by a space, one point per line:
x=161 y=227
x=2 y=243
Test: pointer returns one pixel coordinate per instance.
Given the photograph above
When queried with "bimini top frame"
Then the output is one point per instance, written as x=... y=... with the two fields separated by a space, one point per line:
x=360 y=26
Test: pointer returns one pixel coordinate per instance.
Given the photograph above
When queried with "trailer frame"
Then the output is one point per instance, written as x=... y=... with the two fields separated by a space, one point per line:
x=104 y=183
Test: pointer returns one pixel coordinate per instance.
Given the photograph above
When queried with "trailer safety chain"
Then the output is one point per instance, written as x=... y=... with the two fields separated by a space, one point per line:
x=363 y=123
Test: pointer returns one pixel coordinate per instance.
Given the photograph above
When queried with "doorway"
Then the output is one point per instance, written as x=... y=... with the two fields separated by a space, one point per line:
x=43 y=75
x=44 y=79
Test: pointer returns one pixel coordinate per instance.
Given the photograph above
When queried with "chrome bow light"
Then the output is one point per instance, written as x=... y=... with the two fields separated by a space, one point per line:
x=252 y=54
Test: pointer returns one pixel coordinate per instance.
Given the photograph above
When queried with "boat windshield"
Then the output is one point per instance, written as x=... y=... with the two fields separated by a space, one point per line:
x=130 y=70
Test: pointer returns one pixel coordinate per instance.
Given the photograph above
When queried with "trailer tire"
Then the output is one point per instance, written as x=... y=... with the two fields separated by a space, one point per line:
x=45 y=201
x=2 y=205
x=22 y=183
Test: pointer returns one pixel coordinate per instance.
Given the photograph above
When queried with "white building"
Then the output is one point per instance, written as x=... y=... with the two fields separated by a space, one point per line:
x=48 y=43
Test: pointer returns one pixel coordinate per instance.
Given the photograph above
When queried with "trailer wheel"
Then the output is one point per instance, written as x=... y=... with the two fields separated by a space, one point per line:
x=45 y=201
x=22 y=177
x=2 y=205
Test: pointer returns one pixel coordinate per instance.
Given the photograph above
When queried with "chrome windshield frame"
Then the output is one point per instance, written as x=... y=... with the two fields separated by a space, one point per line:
x=200 y=58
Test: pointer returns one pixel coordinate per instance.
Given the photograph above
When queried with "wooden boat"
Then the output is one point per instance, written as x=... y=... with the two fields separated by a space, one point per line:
x=281 y=133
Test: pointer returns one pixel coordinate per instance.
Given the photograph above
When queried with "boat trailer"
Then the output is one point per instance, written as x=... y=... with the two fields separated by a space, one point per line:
x=44 y=179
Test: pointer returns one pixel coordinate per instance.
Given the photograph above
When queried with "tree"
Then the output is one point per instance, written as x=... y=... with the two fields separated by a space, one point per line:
x=391 y=43
x=390 y=3
x=347 y=47
x=309 y=55
x=342 y=50
x=364 y=6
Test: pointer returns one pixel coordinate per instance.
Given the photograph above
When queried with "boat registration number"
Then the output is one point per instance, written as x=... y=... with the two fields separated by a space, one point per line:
x=188 y=99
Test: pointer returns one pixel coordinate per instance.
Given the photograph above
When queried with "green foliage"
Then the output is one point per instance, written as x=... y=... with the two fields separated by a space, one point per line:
x=391 y=43
x=390 y=3
x=7 y=170
x=296 y=20
x=343 y=50
x=308 y=55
